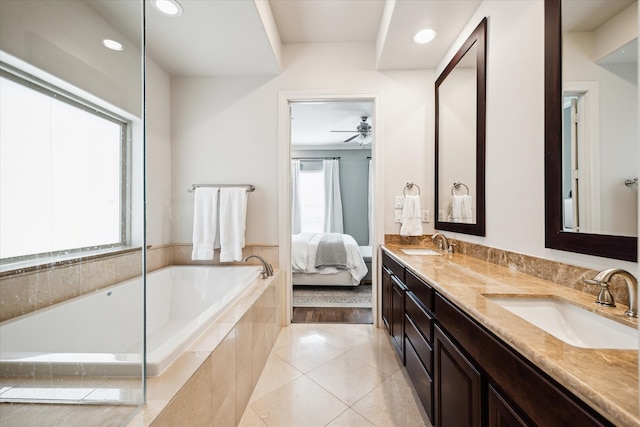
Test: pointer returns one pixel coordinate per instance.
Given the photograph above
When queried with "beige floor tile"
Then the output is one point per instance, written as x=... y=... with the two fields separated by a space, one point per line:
x=275 y=374
x=347 y=378
x=296 y=331
x=378 y=353
x=344 y=336
x=350 y=418
x=393 y=403
x=299 y=403
x=308 y=353
x=251 y=419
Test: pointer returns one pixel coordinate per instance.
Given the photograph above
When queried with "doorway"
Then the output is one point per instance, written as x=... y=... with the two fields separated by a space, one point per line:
x=307 y=145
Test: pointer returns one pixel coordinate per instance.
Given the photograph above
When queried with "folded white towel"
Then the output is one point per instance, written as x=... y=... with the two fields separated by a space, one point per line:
x=205 y=215
x=233 y=219
x=461 y=209
x=411 y=217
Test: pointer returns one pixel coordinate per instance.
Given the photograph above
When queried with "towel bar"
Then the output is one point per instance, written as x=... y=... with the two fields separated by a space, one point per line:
x=250 y=188
x=456 y=186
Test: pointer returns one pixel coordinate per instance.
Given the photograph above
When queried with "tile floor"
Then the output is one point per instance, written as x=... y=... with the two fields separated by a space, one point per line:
x=333 y=375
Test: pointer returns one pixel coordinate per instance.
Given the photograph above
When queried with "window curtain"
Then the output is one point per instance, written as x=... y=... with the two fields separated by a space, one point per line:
x=296 y=223
x=332 y=199
x=370 y=203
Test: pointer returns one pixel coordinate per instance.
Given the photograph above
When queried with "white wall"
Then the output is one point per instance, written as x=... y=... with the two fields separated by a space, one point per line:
x=515 y=131
x=224 y=130
x=158 y=158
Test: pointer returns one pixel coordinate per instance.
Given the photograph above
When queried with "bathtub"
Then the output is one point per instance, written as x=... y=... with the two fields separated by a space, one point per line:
x=101 y=333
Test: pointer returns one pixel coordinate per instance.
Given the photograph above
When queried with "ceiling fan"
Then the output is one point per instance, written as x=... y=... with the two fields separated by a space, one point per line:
x=363 y=130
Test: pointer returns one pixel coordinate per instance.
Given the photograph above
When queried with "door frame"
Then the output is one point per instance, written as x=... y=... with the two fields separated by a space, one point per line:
x=284 y=186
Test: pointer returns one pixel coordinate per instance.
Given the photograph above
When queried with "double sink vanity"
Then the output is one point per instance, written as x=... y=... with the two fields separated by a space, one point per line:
x=487 y=345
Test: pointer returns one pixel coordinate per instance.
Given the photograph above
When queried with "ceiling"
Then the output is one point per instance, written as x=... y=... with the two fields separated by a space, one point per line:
x=245 y=37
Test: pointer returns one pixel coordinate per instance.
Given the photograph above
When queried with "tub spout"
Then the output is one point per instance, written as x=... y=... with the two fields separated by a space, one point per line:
x=267 y=269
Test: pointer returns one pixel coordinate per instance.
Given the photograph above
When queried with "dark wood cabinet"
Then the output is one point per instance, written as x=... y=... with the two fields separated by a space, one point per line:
x=386 y=296
x=397 y=315
x=458 y=385
x=501 y=413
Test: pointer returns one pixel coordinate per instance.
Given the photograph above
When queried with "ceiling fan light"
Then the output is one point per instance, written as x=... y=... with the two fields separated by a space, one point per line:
x=424 y=36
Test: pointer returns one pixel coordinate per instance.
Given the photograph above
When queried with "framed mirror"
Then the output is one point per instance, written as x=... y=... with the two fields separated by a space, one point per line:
x=460 y=138
x=591 y=191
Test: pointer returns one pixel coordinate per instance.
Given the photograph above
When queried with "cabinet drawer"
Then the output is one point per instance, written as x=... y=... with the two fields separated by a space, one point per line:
x=421 y=319
x=421 y=379
x=393 y=265
x=422 y=347
x=423 y=291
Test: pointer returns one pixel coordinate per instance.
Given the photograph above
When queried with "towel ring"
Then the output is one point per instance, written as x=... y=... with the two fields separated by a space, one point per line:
x=456 y=186
x=410 y=185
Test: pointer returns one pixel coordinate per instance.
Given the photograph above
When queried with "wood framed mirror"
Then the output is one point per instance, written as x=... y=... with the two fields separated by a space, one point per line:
x=460 y=113
x=560 y=233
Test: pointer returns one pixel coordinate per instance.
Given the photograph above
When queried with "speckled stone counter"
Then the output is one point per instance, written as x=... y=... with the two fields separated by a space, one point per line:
x=605 y=379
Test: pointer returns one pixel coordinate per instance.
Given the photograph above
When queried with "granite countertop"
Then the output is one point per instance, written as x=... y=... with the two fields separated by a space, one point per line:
x=605 y=379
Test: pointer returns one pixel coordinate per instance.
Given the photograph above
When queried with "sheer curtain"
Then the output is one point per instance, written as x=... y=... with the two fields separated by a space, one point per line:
x=296 y=223
x=332 y=198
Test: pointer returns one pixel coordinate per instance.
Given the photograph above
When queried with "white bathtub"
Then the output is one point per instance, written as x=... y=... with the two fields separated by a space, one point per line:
x=101 y=333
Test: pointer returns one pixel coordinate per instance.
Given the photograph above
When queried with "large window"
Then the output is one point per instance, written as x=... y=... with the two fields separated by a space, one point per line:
x=312 y=198
x=62 y=169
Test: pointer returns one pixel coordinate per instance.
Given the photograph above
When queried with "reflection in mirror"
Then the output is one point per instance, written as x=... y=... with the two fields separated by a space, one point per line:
x=457 y=110
x=591 y=127
x=599 y=116
x=460 y=138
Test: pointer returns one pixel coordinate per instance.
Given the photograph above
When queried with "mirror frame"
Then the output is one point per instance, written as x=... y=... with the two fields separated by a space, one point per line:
x=603 y=245
x=479 y=38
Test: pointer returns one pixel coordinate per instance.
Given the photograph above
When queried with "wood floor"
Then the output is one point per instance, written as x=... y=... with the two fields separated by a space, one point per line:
x=331 y=315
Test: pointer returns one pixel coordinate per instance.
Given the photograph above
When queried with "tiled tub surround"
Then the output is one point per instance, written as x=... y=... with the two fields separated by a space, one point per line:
x=607 y=380
x=211 y=381
x=28 y=289
x=567 y=275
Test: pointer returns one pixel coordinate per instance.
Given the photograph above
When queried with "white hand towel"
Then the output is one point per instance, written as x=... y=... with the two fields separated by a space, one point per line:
x=466 y=210
x=411 y=217
x=205 y=215
x=233 y=218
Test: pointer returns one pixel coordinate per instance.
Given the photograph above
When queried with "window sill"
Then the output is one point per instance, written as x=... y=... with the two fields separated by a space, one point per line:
x=46 y=263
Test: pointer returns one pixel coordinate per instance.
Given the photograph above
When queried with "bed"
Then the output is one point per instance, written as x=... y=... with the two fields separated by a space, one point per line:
x=319 y=259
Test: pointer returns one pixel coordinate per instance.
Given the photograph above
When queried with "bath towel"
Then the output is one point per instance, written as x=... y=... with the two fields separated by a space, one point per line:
x=411 y=217
x=205 y=215
x=233 y=221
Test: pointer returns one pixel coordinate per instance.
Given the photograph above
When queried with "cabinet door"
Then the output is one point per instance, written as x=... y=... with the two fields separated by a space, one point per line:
x=501 y=413
x=397 y=315
x=458 y=385
x=386 y=297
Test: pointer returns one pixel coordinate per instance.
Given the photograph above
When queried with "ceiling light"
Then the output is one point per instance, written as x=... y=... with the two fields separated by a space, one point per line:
x=424 y=36
x=112 y=44
x=167 y=7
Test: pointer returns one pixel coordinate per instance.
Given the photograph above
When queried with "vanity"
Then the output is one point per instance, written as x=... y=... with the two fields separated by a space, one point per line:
x=473 y=362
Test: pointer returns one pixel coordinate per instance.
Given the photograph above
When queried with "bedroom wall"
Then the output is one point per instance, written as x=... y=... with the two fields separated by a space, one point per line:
x=354 y=184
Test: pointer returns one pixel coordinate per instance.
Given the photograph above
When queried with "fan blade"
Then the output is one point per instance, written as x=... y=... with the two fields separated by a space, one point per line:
x=343 y=131
x=353 y=137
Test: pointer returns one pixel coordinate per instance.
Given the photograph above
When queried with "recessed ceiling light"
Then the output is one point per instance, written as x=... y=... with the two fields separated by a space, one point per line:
x=424 y=36
x=112 y=44
x=167 y=7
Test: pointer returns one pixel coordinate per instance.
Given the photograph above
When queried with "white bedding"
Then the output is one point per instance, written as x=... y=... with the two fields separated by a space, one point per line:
x=303 y=256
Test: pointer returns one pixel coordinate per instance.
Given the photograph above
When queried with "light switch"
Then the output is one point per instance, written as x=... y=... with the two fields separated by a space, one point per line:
x=398 y=215
x=399 y=202
x=425 y=215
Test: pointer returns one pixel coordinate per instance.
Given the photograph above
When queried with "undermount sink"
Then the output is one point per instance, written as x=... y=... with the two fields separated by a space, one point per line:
x=572 y=324
x=419 y=251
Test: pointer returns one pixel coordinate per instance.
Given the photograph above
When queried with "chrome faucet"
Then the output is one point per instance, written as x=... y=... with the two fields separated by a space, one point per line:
x=267 y=269
x=443 y=243
x=605 y=298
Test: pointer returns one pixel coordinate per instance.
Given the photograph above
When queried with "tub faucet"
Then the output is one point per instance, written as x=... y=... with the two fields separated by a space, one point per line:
x=267 y=269
x=443 y=244
x=605 y=298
